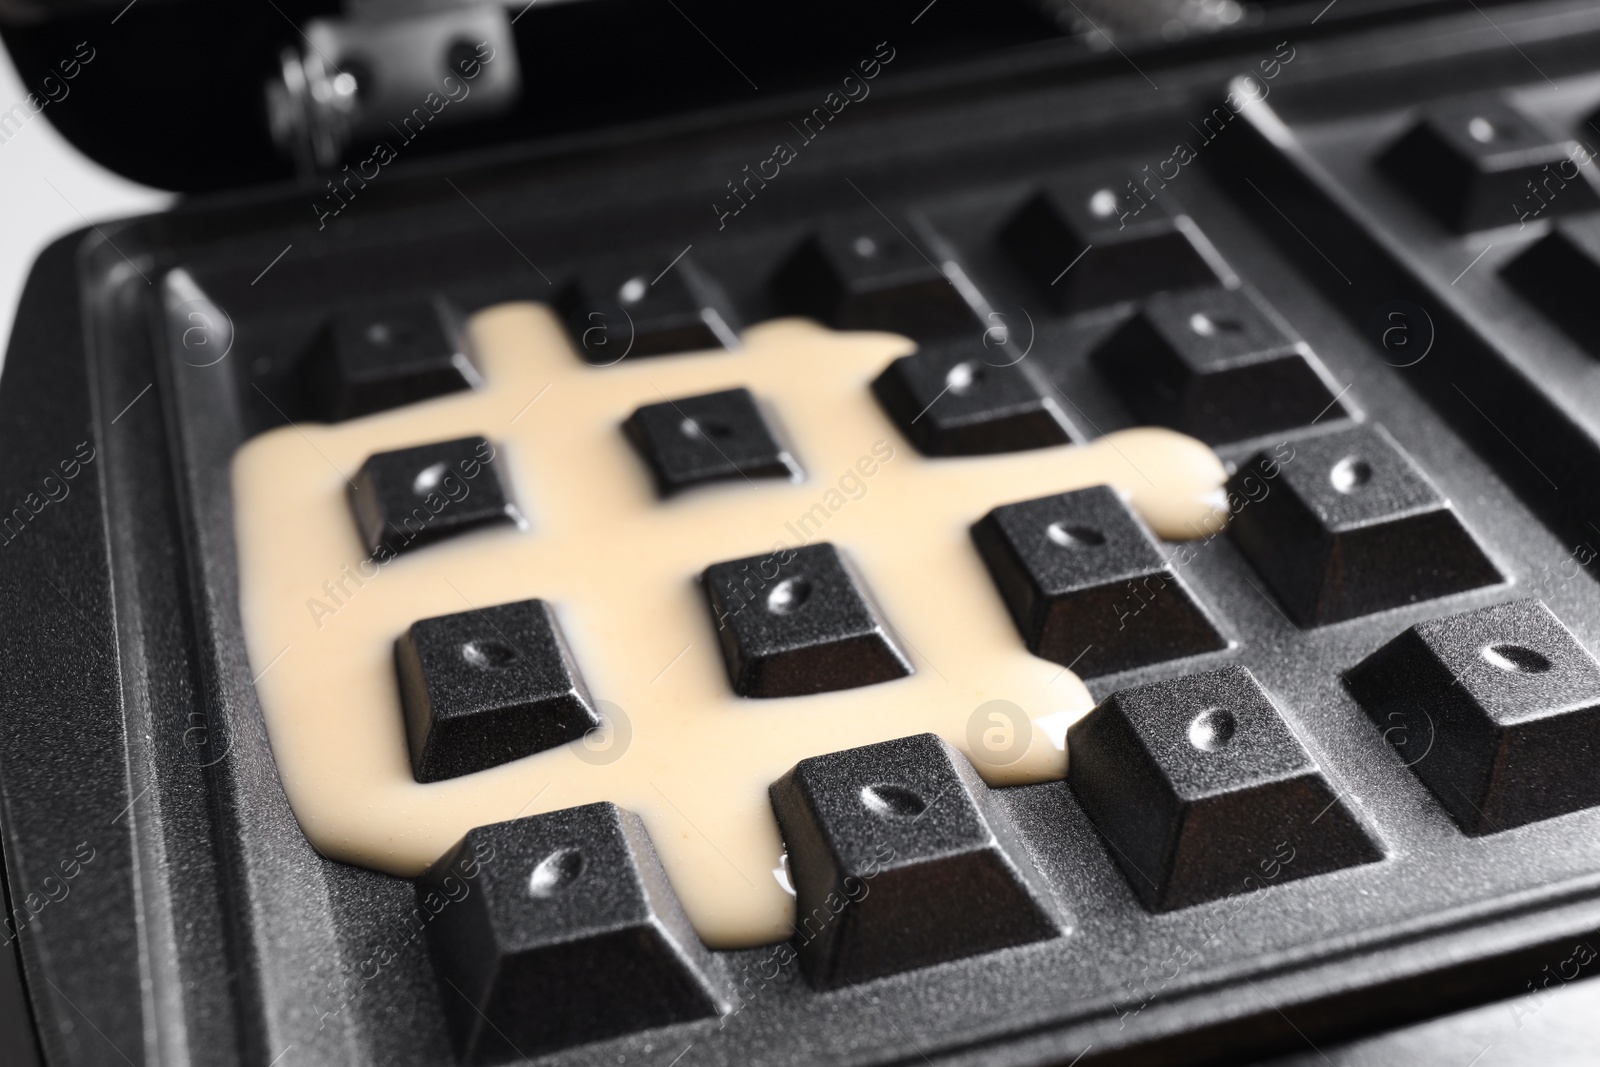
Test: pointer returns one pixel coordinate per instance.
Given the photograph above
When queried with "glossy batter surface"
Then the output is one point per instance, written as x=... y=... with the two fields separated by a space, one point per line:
x=620 y=567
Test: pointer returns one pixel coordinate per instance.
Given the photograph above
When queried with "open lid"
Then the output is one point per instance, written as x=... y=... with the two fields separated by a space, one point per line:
x=195 y=95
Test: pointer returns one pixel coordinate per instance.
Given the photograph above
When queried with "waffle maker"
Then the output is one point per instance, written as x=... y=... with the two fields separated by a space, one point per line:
x=1341 y=777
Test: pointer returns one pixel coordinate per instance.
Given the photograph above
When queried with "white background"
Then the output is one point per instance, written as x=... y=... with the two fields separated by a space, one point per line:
x=48 y=188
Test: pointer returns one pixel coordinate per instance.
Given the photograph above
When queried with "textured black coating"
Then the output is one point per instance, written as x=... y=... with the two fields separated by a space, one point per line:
x=1213 y=364
x=415 y=496
x=487 y=686
x=967 y=399
x=795 y=622
x=714 y=437
x=382 y=354
x=1560 y=273
x=640 y=306
x=1087 y=585
x=1088 y=239
x=1349 y=526
x=900 y=861
x=560 y=929
x=1479 y=163
x=1497 y=710
x=867 y=274
x=1203 y=791
x=67 y=792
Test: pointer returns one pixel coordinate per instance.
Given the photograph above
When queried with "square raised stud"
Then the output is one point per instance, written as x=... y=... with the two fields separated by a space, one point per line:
x=615 y=309
x=1479 y=164
x=1559 y=274
x=901 y=861
x=1213 y=364
x=1203 y=791
x=963 y=400
x=714 y=437
x=864 y=274
x=1496 y=710
x=384 y=354
x=411 y=497
x=1087 y=584
x=1349 y=526
x=558 y=930
x=1088 y=239
x=790 y=627
x=488 y=686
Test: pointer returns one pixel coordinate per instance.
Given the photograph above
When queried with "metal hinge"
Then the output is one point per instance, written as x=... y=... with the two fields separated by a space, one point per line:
x=388 y=71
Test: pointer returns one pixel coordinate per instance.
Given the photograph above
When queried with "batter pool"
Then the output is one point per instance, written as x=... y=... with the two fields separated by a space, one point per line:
x=620 y=567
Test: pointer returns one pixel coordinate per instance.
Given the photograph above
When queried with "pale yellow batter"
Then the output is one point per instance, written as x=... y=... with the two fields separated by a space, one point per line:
x=620 y=567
